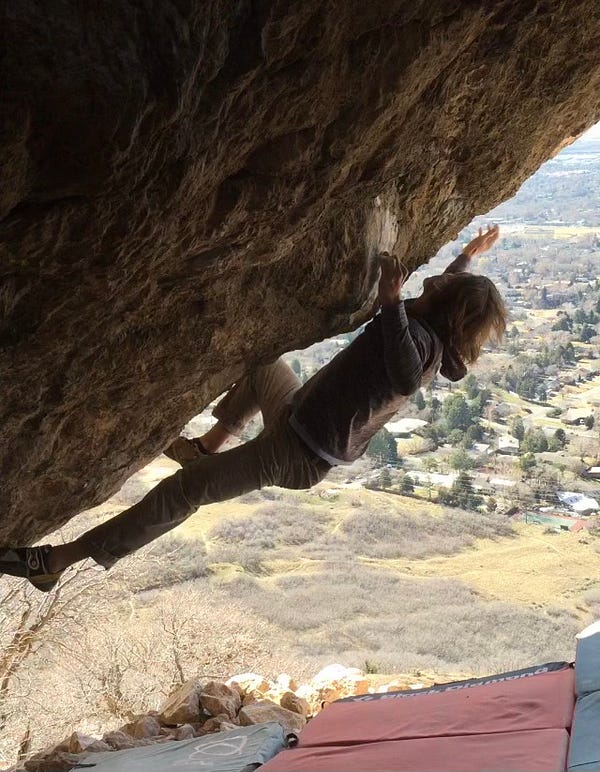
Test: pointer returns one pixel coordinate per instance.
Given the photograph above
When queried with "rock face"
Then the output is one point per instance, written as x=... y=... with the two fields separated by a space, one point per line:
x=188 y=189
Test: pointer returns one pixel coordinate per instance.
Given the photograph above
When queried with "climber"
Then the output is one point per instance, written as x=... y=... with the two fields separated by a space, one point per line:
x=307 y=429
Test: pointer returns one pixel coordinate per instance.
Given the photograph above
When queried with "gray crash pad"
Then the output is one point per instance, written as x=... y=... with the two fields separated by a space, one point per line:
x=239 y=749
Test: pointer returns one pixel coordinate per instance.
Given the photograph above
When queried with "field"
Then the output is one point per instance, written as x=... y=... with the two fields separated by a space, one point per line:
x=535 y=569
x=546 y=232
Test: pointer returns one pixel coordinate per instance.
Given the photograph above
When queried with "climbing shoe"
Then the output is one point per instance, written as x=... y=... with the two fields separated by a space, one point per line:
x=30 y=563
x=183 y=450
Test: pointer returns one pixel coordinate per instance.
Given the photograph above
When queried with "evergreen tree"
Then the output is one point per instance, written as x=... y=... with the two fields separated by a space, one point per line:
x=477 y=405
x=569 y=354
x=471 y=386
x=544 y=300
x=527 y=462
x=563 y=323
x=419 y=400
x=382 y=448
x=385 y=478
x=517 y=428
x=435 y=406
x=534 y=441
x=587 y=333
x=542 y=393
x=561 y=437
x=473 y=434
x=407 y=485
x=460 y=459
x=463 y=489
x=456 y=412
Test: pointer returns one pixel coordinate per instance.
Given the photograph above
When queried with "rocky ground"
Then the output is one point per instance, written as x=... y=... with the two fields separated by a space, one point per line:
x=198 y=708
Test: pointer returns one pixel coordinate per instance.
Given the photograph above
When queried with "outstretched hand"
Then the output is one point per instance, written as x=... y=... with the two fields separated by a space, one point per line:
x=392 y=278
x=482 y=242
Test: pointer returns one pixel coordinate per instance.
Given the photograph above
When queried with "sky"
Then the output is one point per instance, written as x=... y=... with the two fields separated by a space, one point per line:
x=593 y=133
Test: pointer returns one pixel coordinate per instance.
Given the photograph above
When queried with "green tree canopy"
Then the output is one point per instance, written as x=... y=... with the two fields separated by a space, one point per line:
x=534 y=441
x=407 y=485
x=419 y=400
x=561 y=437
x=587 y=333
x=527 y=462
x=456 y=412
x=517 y=428
x=382 y=448
x=460 y=459
x=471 y=386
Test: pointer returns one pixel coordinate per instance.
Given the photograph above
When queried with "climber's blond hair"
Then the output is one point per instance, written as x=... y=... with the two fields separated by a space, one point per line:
x=468 y=312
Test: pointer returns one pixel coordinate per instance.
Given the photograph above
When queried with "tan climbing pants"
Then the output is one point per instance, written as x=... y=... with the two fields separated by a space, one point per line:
x=277 y=456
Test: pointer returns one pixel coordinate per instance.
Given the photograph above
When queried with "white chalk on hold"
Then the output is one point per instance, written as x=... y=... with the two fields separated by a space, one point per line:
x=382 y=229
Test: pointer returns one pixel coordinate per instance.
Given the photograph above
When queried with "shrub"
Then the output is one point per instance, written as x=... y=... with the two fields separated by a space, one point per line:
x=166 y=562
x=357 y=613
x=384 y=535
x=249 y=558
x=271 y=526
x=592 y=598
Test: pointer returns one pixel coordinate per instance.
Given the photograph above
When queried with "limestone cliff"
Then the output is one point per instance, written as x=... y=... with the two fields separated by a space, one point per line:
x=189 y=187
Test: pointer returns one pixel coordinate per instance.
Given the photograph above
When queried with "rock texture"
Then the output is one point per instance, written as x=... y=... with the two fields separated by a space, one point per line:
x=220 y=700
x=188 y=188
x=183 y=705
x=271 y=701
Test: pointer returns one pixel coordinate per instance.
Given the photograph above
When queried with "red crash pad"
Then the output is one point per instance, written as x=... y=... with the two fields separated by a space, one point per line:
x=543 y=750
x=511 y=722
x=541 y=701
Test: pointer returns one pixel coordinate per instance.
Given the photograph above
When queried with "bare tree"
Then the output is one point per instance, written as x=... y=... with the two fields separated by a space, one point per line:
x=30 y=621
